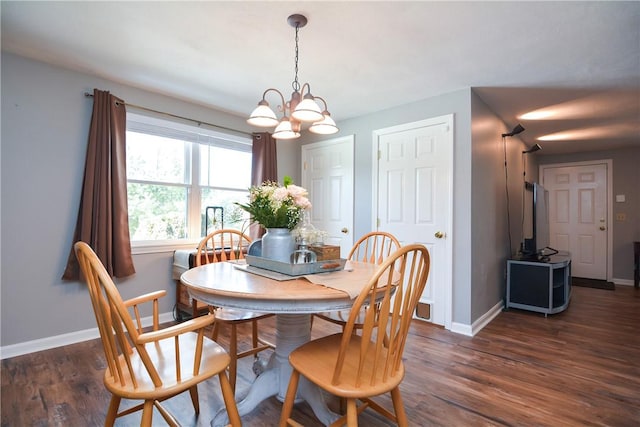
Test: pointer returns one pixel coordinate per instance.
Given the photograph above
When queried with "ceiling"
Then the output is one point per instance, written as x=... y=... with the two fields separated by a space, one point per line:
x=578 y=61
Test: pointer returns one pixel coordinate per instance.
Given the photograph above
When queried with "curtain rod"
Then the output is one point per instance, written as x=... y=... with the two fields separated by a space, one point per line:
x=199 y=122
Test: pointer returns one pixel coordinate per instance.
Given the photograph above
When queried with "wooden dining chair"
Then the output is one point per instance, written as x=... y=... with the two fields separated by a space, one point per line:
x=373 y=247
x=228 y=245
x=154 y=365
x=360 y=367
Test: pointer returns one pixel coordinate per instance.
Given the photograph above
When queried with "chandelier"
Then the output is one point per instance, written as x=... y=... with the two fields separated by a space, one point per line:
x=301 y=108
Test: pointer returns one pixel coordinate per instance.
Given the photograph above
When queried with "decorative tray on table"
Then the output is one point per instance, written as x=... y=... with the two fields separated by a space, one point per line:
x=296 y=269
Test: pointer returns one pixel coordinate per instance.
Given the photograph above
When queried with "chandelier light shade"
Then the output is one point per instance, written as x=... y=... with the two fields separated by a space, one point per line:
x=263 y=116
x=326 y=126
x=284 y=130
x=307 y=110
x=301 y=108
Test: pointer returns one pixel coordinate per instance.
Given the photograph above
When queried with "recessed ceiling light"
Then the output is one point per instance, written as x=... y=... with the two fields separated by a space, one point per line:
x=606 y=131
x=541 y=114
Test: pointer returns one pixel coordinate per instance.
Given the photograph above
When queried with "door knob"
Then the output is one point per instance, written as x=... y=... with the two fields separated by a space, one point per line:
x=345 y=230
x=439 y=234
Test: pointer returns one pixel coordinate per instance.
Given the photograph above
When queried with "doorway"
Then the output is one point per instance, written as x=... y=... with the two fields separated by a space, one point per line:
x=579 y=215
x=412 y=192
x=327 y=173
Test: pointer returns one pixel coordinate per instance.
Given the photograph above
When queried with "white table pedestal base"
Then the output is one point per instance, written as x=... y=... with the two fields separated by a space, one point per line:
x=292 y=330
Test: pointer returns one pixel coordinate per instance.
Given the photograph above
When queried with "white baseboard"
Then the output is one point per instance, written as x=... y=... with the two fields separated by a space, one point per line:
x=473 y=329
x=65 y=339
x=624 y=282
x=461 y=328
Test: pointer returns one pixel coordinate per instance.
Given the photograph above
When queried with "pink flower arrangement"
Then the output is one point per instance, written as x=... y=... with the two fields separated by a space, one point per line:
x=274 y=206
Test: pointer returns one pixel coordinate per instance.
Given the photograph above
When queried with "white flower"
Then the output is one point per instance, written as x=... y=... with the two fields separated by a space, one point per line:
x=275 y=206
x=281 y=194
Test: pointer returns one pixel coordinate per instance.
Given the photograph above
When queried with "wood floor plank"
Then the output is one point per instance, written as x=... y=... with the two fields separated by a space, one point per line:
x=580 y=367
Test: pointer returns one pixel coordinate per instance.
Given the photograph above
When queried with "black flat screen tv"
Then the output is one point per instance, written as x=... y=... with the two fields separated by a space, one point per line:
x=536 y=246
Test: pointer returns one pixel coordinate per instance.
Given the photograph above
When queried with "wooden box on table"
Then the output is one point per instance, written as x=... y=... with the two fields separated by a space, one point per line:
x=326 y=252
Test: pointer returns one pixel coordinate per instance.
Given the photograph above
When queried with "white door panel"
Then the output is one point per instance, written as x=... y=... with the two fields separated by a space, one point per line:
x=578 y=219
x=327 y=173
x=414 y=169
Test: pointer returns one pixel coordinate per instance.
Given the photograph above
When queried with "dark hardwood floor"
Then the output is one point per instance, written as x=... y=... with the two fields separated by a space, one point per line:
x=576 y=368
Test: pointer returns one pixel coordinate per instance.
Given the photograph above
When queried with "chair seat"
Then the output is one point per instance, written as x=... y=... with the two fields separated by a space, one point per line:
x=230 y=315
x=316 y=360
x=155 y=365
x=357 y=368
x=162 y=353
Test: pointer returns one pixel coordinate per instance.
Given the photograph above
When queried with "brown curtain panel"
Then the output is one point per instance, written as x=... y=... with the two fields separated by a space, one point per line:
x=103 y=219
x=263 y=168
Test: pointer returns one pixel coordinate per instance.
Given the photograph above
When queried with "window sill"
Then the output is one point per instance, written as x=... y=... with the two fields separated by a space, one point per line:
x=153 y=247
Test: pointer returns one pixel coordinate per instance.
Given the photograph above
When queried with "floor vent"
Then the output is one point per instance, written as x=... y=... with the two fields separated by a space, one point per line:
x=423 y=311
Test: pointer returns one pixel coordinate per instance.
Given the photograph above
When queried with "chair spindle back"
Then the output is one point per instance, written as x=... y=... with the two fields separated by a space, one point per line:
x=384 y=331
x=374 y=247
x=222 y=245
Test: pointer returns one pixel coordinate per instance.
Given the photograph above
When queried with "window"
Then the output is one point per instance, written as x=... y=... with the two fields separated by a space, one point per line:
x=179 y=176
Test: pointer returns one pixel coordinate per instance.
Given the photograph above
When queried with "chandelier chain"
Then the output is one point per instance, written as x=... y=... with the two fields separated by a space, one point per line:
x=299 y=109
x=296 y=84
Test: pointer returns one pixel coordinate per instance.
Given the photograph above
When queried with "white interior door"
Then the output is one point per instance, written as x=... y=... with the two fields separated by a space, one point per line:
x=578 y=220
x=414 y=199
x=327 y=173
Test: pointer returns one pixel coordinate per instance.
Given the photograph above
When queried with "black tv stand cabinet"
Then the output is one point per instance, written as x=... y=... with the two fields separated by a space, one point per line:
x=543 y=286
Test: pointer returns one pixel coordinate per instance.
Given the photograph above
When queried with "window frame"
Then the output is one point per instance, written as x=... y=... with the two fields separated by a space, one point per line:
x=200 y=134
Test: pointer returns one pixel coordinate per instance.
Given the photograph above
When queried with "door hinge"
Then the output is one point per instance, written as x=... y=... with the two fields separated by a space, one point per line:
x=379 y=154
x=377 y=222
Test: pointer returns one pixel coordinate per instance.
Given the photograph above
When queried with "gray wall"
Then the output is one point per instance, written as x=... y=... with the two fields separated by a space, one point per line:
x=362 y=128
x=626 y=180
x=45 y=121
x=479 y=205
x=45 y=125
x=489 y=222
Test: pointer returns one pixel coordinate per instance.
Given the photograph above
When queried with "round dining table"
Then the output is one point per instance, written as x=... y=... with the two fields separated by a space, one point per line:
x=230 y=284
